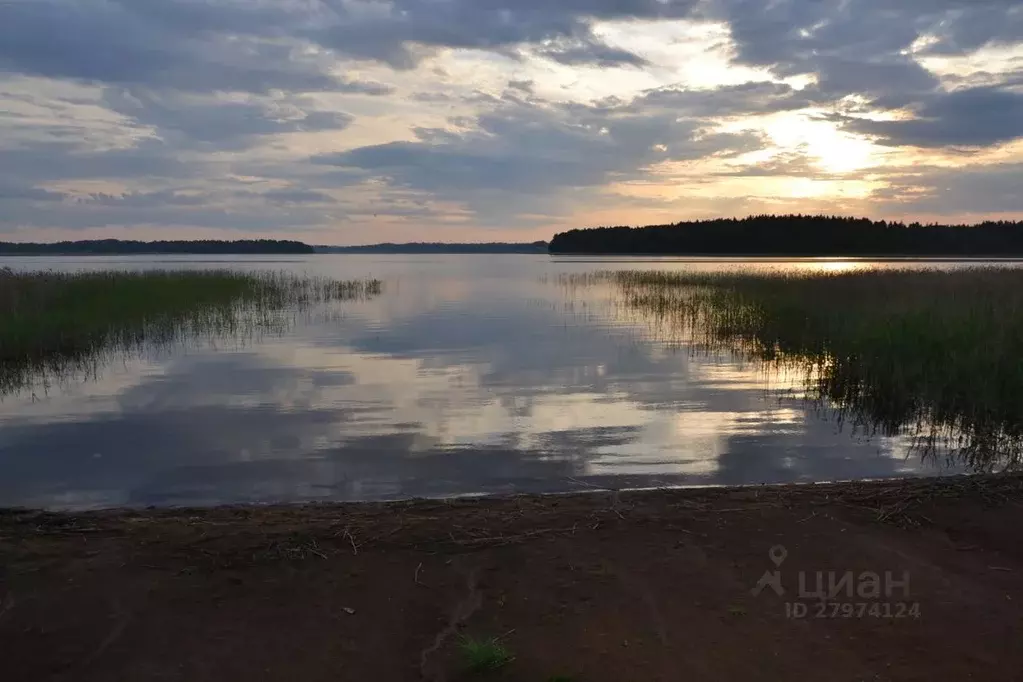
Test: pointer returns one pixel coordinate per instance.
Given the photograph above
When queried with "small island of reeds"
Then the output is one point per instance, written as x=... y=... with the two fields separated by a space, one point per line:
x=935 y=355
x=57 y=324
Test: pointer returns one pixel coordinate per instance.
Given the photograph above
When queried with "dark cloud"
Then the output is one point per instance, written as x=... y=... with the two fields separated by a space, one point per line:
x=389 y=32
x=297 y=196
x=969 y=27
x=986 y=190
x=257 y=46
x=590 y=53
x=535 y=150
x=358 y=87
x=973 y=117
x=864 y=47
x=23 y=192
x=855 y=45
x=193 y=200
x=729 y=100
x=145 y=199
x=181 y=44
x=795 y=164
x=68 y=161
x=891 y=82
x=525 y=86
x=791 y=36
x=212 y=120
x=176 y=134
x=521 y=154
x=157 y=209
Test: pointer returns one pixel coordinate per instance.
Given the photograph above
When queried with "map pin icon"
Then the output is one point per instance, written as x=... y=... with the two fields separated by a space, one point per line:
x=777 y=554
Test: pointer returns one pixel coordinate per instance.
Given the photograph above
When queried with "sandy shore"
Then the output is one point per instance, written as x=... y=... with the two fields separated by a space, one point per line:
x=630 y=586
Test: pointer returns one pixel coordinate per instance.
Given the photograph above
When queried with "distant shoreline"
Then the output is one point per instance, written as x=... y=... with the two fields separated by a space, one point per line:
x=121 y=247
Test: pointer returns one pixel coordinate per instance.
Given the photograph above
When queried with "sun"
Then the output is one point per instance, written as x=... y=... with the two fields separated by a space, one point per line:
x=835 y=151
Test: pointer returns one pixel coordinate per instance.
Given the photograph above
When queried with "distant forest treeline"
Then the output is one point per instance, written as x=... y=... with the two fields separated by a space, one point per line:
x=439 y=247
x=118 y=246
x=802 y=235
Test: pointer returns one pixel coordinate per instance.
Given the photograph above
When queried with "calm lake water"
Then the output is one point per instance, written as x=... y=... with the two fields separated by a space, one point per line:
x=469 y=374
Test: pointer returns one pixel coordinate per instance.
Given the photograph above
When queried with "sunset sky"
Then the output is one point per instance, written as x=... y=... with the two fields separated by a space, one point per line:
x=355 y=121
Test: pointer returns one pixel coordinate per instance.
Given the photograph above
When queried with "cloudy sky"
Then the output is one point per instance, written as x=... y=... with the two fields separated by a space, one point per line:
x=355 y=121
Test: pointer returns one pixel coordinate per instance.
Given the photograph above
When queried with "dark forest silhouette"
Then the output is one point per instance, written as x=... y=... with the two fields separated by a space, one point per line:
x=118 y=246
x=803 y=235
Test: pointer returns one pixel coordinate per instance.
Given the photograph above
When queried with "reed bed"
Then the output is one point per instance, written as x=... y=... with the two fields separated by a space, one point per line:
x=936 y=354
x=57 y=324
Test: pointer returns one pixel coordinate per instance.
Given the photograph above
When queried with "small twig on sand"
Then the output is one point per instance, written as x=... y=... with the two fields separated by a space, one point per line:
x=355 y=548
x=315 y=549
x=418 y=568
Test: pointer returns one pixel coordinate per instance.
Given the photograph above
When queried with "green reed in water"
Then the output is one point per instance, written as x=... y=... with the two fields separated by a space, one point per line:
x=935 y=354
x=58 y=324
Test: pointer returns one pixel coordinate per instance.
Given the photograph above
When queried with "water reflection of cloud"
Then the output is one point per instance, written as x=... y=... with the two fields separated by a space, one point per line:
x=504 y=389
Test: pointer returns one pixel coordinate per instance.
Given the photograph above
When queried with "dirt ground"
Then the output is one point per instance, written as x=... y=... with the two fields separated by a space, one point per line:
x=623 y=587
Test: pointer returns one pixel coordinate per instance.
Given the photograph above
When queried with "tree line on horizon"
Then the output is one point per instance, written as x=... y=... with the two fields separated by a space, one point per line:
x=799 y=235
x=120 y=246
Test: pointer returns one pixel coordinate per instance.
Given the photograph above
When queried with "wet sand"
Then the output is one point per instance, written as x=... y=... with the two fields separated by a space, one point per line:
x=629 y=586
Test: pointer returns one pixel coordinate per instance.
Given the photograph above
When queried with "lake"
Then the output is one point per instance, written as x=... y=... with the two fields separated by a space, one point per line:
x=468 y=374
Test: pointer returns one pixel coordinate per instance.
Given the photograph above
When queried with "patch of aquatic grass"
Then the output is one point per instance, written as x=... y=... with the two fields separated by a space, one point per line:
x=482 y=655
x=56 y=324
x=936 y=354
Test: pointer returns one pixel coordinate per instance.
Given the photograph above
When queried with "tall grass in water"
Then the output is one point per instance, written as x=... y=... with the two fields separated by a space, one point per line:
x=58 y=324
x=935 y=354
